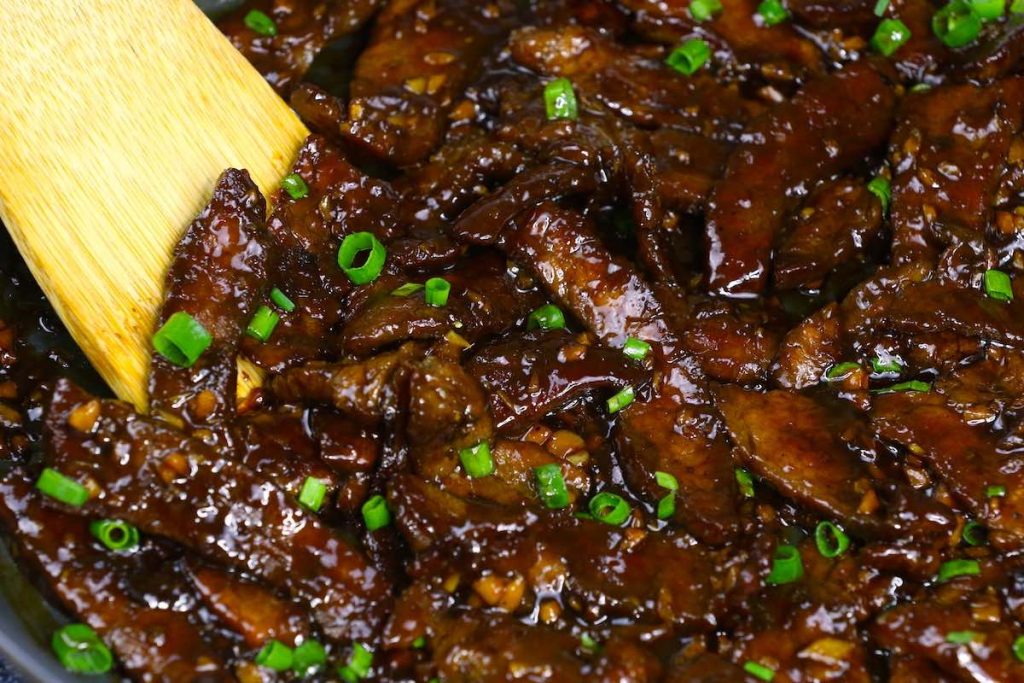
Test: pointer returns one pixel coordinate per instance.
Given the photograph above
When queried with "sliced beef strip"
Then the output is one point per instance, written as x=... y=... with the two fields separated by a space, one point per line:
x=831 y=125
x=216 y=275
x=150 y=643
x=176 y=487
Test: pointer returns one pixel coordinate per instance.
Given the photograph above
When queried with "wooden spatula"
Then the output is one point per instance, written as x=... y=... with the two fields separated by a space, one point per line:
x=115 y=120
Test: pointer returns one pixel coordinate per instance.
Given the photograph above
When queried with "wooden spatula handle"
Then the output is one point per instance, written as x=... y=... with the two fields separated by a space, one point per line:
x=117 y=118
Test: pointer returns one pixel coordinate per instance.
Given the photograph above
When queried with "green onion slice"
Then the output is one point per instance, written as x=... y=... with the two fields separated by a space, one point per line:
x=588 y=643
x=609 y=508
x=689 y=57
x=313 y=493
x=476 y=460
x=551 y=486
x=890 y=35
x=831 y=540
x=667 y=506
x=772 y=12
x=954 y=568
x=620 y=400
x=636 y=349
x=915 y=385
x=956 y=24
x=759 y=671
x=886 y=365
x=437 y=291
x=309 y=658
x=260 y=23
x=702 y=10
x=745 y=481
x=263 y=323
x=1018 y=643
x=376 y=513
x=114 y=534
x=560 y=100
x=80 y=650
x=407 y=289
x=974 y=534
x=359 y=664
x=998 y=285
x=547 y=317
x=989 y=9
x=787 y=566
x=281 y=300
x=960 y=637
x=881 y=6
x=276 y=656
x=881 y=188
x=362 y=243
x=295 y=186
x=1017 y=7
x=995 y=491
x=419 y=643
x=841 y=370
x=63 y=489
x=182 y=339
x=666 y=481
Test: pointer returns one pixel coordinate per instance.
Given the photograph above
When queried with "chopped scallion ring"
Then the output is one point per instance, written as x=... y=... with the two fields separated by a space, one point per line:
x=376 y=513
x=260 y=23
x=636 y=348
x=419 y=643
x=666 y=481
x=551 y=486
x=281 y=300
x=667 y=506
x=407 y=289
x=359 y=243
x=63 y=489
x=890 y=35
x=262 y=324
x=114 y=534
x=1018 y=642
x=313 y=493
x=881 y=188
x=881 y=6
x=702 y=10
x=974 y=534
x=689 y=57
x=437 y=290
x=759 y=671
x=996 y=491
x=620 y=400
x=560 y=100
x=998 y=285
x=609 y=508
x=913 y=385
x=841 y=370
x=772 y=12
x=182 y=339
x=889 y=364
x=787 y=566
x=276 y=656
x=547 y=317
x=588 y=643
x=954 y=568
x=989 y=9
x=80 y=650
x=961 y=637
x=476 y=460
x=745 y=481
x=308 y=658
x=1017 y=7
x=831 y=540
x=295 y=186
x=956 y=24
x=359 y=664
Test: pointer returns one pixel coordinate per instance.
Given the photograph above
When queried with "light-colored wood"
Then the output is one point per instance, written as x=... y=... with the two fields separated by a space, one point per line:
x=115 y=120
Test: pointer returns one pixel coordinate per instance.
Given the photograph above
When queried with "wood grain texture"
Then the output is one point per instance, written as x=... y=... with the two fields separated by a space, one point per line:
x=117 y=118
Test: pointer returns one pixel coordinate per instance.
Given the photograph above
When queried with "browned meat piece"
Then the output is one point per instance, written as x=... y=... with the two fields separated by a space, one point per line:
x=216 y=276
x=704 y=668
x=831 y=124
x=529 y=376
x=248 y=608
x=998 y=55
x=987 y=391
x=809 y=452
x=421 y=56
x=735 y=30
x=948 y=153
x=305 y=235
x=172 y=486
x=304 y=27
x=809 y=349
x=965 y=457
x=838 y=225
x=362 y=390
x=642 y=90
x=671 y=432
x=903 y=299
x=848 y=15
x=151 y=643
x=982 y=652
x=731 y=341
x=277 y=446
x=687 y=167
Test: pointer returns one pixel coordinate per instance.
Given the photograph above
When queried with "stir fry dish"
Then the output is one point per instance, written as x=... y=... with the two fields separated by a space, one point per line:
x=623 y=341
